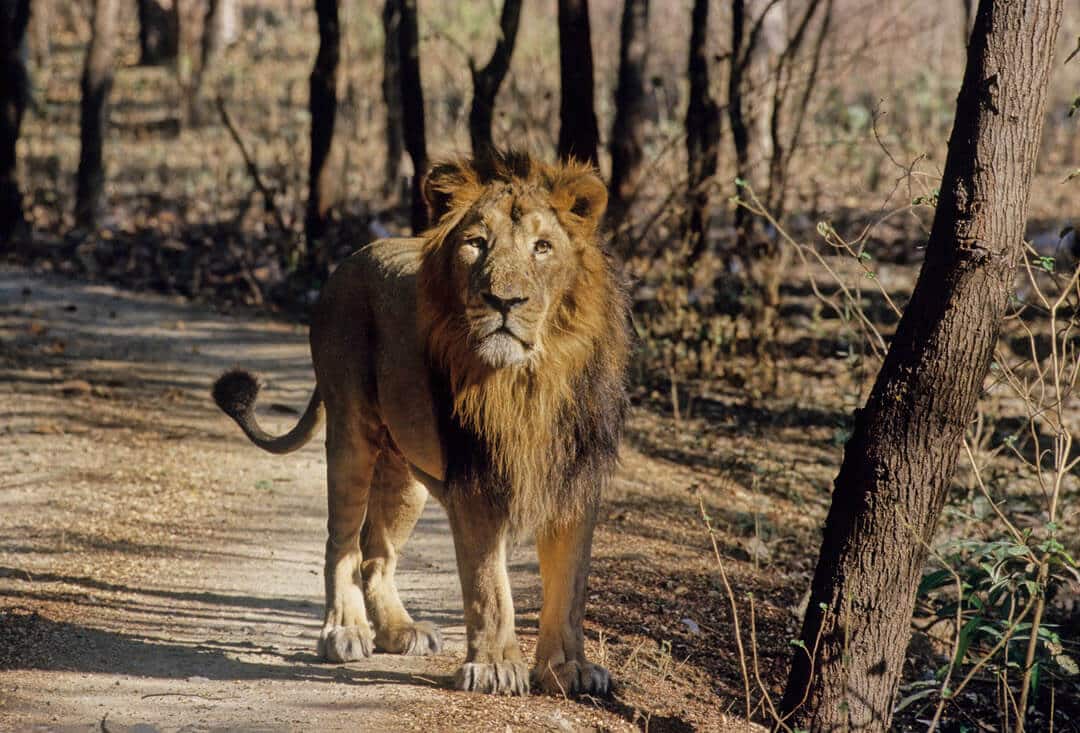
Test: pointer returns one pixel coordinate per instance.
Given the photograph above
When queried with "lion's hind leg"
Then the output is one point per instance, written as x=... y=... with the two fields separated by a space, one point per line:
x=396 y=502
x=350 y=456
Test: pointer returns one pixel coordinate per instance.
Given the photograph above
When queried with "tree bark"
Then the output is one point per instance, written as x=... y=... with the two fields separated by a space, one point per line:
x=94 y=114
x=159 y=31
x=579 y=136
x=899 y=461
x=323 y=100
x=628 y=130
x=413 y=109
x=14 y=95
x=702 y=132
x=391 y=90
x=487 y=80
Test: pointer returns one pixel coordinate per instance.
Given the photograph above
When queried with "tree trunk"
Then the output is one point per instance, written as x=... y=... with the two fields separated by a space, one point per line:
x=94 y=113
x=628 y=130
x=323 y=177
x=391 y=89
x=413 y=109
x=218 y=32
x=702 y=132
x=899 y=461
x=741 y=47
x=579 y=136
x=486 y=81
x=159 y=31
x=14 y=95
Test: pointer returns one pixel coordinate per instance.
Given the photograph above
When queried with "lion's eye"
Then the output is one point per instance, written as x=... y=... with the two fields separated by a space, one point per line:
x=478 y=243
x=541 y=246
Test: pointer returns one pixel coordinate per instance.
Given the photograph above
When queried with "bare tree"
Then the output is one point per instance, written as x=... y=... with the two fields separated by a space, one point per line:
x=628 y=130
x=14 y=95
x=94 y=114
x=218 y=33
x=899 y=461
x=159 y=31
x=413 y=109
x=488 y=79
x=579 y=136
x=323 y=176
x=761 y=256
x=702 y=132
x=391 y=90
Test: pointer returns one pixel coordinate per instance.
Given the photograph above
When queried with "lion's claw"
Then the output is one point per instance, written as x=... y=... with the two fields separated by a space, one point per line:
x=573 y=678
x=346 y=644
x=418 y=639
x=497 y=678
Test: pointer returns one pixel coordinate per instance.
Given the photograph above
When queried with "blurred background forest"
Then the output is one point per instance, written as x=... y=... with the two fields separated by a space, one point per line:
x=764 y=287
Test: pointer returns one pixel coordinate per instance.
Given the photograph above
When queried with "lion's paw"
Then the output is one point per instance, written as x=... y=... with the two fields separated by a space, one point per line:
x=497 y=678
x=346 y=643
x=573 y=678
x=418 y=639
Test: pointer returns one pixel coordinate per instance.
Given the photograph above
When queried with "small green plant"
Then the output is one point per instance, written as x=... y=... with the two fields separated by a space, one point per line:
x=999 y=585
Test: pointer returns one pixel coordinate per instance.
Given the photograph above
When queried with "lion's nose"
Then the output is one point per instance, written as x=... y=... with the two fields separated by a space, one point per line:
x=503 y=305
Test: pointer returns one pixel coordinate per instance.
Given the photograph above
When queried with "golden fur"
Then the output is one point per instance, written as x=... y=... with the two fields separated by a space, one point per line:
x=518 y=411
x=508 y=426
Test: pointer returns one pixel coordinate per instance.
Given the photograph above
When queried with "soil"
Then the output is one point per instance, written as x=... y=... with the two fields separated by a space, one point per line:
x=157 y=572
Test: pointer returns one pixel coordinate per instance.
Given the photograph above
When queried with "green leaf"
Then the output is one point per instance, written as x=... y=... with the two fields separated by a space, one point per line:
x=964 y=639
x=264 y=484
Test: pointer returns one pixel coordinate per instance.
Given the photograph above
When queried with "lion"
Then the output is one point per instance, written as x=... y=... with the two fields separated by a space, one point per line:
x=484 y=363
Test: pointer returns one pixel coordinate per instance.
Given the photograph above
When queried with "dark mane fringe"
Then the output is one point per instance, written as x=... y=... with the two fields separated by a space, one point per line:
x=540 y=440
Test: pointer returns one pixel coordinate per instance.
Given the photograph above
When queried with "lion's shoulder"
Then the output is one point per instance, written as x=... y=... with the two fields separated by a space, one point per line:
x=396 y=257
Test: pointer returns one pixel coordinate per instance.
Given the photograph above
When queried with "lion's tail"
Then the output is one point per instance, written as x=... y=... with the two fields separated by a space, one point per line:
x=235 y=393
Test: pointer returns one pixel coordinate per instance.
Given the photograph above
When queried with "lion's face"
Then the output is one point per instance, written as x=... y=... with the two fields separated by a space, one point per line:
x=510 y=259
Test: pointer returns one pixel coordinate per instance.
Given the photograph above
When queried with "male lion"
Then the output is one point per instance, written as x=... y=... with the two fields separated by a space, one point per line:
x=484 y=362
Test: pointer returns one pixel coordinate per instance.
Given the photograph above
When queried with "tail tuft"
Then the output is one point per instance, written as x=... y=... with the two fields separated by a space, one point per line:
x=235 y=392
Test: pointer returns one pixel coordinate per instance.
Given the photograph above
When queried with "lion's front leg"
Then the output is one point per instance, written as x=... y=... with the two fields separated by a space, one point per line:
x=561 y=667
x=493 y=662
x=350 y=457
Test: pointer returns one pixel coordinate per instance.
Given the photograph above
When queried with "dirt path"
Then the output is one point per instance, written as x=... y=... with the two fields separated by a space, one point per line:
x=159 y=573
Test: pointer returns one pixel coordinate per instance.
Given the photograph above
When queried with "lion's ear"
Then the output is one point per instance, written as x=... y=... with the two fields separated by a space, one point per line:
x=443 y=183
x=582 y=194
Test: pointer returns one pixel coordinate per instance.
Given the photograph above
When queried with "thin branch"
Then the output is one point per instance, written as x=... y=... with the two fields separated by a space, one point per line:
x=252 y=168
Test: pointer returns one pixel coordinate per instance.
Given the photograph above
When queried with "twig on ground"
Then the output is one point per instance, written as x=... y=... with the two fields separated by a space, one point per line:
x=731 y=600
x=190 y=694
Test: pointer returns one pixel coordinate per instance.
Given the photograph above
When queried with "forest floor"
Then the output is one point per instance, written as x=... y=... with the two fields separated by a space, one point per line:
x=157 y=570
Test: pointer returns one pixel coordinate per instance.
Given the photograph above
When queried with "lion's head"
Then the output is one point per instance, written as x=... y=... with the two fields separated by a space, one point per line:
x=523 y=309
x=513 y=245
